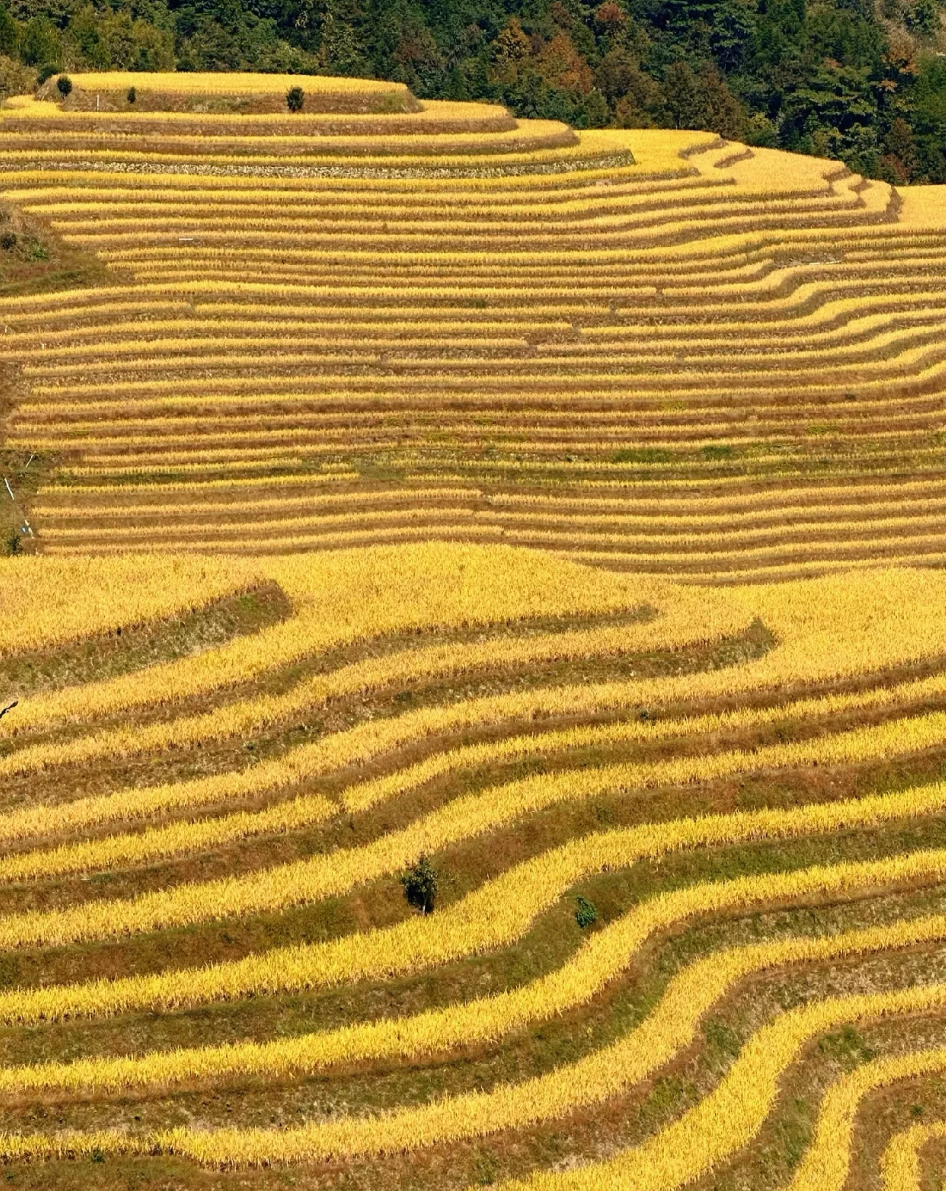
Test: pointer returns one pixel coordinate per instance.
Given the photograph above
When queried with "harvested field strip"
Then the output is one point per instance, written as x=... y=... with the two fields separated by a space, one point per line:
x=467 y=926
x=327 y=429
x=341 y=409
x=138 y=446
x=621 y=341
x=81 y=341
x=672 y=1023
x=246 y=342
x=927 y=546
x=745 y=542
x=927 y=359
x=673 y=500
x=908 y=734
x=462 y=165
x=684 y=529
x=809 y=711
x=826 y=1163
x=614 y=216
x=901 y=1164
x=110 y=513
x=619 y=221
x=696 y=1143
x=301 y=498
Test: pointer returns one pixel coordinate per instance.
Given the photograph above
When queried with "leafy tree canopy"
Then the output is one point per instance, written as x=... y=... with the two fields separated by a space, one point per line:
x=859 y=80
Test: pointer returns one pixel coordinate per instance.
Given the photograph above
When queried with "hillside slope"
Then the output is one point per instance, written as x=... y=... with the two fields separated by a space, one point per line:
x=648 y=349
x=862 y=81
x=690 y=925
x=351 y=841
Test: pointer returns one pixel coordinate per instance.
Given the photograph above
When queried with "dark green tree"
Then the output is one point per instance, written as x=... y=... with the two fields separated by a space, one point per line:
x=9 y=33
x=40 y=44
x=585 y=913
x=857 y=80
x=420 y=884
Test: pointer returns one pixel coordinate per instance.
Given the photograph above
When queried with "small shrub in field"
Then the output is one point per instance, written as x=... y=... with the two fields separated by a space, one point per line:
x=420 y=885
x=132 y=95
x=64 y=85
x=585 y=914
x=8 y=241
x=295 y=98
x=10 y=544
x=36 y=251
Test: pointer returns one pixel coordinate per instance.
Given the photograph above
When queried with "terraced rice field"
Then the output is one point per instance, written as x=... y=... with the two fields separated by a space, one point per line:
x=401 y=479
x=649 y=350
x=219 y=767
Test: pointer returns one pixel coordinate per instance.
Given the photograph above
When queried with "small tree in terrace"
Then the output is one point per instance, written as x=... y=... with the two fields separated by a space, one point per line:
x=64 y=86
x=420 y=885
x=585 y=913
x=295 y=98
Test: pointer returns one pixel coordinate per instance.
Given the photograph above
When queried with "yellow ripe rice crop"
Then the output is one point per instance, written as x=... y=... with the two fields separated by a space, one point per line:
x=40 y=604
x=349 y=597
x=470 y=926
x=868 y=628
x=217 y=83
x=826 y=1163
x=316 y=399
x=730 y=1116
x=901 y=1162
x=671 y=1024
x=460 y=820
x=663 y=1033
x=371 y=741
x=369 y=617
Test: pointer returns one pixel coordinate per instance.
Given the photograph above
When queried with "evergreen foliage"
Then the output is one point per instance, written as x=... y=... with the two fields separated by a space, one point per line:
x=585 y=914
x=858 y=80
x=420 y=884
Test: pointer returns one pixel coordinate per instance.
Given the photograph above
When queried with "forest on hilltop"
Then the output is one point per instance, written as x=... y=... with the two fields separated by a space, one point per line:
x=857 y=80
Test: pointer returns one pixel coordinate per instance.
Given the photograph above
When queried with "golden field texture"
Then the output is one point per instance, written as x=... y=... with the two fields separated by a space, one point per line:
x=379 y=321
x=108 y=91
x=404 y=484
x=207 y=963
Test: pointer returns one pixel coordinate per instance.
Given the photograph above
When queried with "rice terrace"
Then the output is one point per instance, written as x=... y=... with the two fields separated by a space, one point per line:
x=472 y=649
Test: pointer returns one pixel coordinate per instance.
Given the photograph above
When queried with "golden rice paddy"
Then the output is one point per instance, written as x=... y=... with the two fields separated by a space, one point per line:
x=402 y=489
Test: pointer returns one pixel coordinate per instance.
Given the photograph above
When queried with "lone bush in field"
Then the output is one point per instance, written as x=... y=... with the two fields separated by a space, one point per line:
x=8 y=241
x=585 y=914
x=420 y=885
x=295 y=98
x=64 y=85
x=36 y=251
x=132 y=95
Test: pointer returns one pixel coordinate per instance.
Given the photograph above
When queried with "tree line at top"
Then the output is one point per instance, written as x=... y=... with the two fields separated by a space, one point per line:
x=863 y=81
